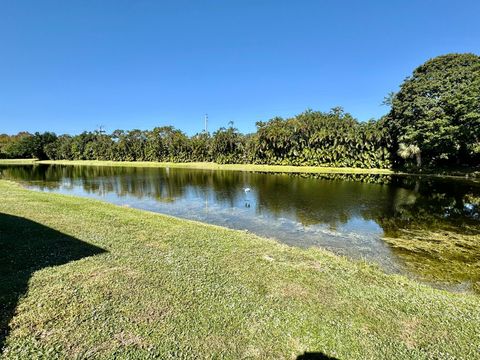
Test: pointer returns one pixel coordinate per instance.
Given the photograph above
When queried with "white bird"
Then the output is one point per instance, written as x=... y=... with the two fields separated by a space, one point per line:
x=246 y=190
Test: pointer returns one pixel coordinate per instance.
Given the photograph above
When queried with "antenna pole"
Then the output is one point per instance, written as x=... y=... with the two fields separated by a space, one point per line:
x=206 y=123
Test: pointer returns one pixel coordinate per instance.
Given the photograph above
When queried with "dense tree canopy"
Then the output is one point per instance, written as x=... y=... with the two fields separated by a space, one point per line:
x=438 y=110
x=25 y=145
x=434 y=120
x=316 y=138
x=311 y=138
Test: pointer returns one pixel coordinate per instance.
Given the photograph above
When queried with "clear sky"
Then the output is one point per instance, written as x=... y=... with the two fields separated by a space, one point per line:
x=69 y=66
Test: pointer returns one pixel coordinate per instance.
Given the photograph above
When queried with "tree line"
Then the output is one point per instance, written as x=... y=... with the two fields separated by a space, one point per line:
x=311 y=138
x=434 y=120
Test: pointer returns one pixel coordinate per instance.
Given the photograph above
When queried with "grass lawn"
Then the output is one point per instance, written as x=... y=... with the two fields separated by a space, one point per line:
x=84 y=279
x=17 y=161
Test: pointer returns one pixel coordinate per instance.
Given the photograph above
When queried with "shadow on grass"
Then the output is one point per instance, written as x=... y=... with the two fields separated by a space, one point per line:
x=315 y=356
x=25 y=247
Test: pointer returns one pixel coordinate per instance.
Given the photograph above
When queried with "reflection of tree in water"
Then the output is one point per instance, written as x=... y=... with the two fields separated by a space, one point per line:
x=366 y=178
x=399 y=203
x=163 y=184
x=29 y=173
x=433 y=227
x=431 y=204
x=317 y=202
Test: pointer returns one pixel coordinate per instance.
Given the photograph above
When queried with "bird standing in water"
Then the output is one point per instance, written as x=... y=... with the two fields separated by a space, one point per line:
x=247 y=202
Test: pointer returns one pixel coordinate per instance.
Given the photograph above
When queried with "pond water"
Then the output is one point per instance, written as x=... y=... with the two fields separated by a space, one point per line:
x=427 y=228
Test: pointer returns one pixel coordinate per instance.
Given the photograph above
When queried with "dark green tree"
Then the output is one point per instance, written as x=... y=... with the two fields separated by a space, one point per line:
x=200 y=146
x=438 y=110
x=227 y=145
x=32 y=146
x=9 y=145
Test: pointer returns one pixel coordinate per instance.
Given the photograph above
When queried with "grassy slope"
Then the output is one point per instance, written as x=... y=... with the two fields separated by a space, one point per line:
x=173 y=288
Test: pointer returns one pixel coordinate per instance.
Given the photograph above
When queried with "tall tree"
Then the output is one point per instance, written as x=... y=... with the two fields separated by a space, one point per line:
x=438 y=110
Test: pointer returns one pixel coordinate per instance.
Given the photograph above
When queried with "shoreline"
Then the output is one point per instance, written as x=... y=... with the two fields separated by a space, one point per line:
x=235 y=167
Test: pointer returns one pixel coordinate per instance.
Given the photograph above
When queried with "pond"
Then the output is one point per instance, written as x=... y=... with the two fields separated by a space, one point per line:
x=426 y=228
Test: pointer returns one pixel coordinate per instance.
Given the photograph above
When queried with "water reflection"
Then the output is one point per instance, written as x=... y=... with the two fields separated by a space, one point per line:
x=425 y=227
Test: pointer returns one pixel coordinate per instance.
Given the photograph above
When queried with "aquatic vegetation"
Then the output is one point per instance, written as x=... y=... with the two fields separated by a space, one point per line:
x=440 y=256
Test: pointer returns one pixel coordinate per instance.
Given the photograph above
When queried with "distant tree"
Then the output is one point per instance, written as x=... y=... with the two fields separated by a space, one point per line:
x=64 y=147
x=438 y=110
x=8 y=145
x=328 y=139
x=51 y=151
x=40 y=141
x=100 y=147
x=4 y=142
x=176 y=144
x=200 y=146
x=32 y=145
x=227 y=145
x=79 y=149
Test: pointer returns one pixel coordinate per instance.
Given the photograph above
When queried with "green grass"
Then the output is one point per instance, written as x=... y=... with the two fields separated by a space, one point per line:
x=85 y=279
x=17 y=161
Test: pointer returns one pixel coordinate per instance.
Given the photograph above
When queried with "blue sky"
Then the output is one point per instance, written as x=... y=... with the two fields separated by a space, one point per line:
x=70 y=66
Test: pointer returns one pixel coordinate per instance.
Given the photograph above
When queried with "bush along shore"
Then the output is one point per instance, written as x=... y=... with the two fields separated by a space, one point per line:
x=84 y=279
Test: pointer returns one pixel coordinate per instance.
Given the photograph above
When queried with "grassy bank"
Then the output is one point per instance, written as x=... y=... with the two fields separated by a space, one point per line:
x=81 y=278
x=17 y=161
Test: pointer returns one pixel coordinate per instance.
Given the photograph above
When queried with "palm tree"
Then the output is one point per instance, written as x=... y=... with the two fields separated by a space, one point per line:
x=410 y=151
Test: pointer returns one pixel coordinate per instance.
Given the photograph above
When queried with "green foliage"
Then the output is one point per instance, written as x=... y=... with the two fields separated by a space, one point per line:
x=434 y=118
x=438 y=110
x=9 y=147
x=200 y=147
x=311 y=138
x=410 y=151
x=326 y=139
x=227 y=146
x=25 y=145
